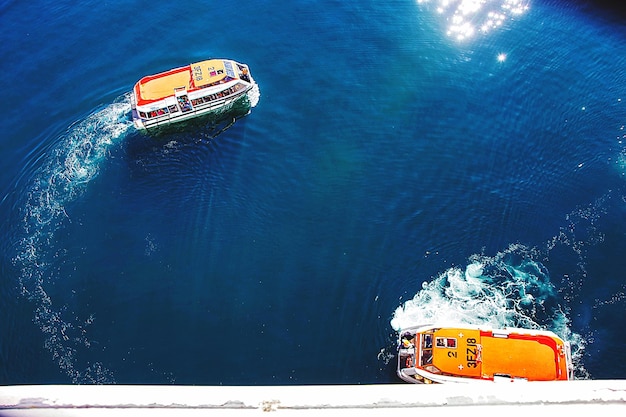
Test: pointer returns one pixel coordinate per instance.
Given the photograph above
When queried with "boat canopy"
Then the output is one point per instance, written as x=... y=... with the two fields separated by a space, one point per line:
x=157 y=87
x=196 y=75
x=211 y=71
x=474 y=353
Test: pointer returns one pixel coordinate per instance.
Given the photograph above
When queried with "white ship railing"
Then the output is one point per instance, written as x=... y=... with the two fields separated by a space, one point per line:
x=604 y=397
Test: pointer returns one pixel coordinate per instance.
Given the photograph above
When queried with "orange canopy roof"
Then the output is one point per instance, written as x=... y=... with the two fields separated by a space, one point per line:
x=482 y=354
x=199 y=74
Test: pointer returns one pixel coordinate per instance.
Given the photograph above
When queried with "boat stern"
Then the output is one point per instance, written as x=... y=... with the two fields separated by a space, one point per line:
x=408 y=344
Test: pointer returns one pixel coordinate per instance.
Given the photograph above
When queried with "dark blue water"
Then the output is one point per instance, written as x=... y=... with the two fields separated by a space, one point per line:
x=403 y=164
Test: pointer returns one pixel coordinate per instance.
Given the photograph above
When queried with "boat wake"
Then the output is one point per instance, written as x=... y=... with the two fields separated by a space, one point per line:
x=63 y=175
x=47 y=193
x=510 y=289
x=504 y=290
x=514 y=288
x=254 y=95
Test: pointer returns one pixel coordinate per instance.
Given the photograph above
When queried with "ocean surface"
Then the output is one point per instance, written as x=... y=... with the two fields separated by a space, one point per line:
x=408 y=161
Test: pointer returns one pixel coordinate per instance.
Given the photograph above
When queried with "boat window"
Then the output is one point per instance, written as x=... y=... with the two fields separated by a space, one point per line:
x=446 y=342
x=222 y=81
x=154 y=113
x=215 y=96
x=184 y=103
x=427 y=341
x=427 y=357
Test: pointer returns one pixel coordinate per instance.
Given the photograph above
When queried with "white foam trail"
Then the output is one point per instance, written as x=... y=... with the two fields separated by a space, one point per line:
x=458 y=296
x=254 y=95
x=64 y=175
x=510 y=289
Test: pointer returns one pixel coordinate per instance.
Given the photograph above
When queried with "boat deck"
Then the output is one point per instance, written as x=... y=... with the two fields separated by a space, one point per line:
x=188 y=78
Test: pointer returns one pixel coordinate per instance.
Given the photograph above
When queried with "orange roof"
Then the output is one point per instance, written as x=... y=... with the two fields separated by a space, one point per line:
x=477 y=353
x=526 y=356
x=455 y=351
x=158 y=86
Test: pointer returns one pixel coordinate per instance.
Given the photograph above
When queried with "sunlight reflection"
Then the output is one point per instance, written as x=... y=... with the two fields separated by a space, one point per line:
x=467 y=17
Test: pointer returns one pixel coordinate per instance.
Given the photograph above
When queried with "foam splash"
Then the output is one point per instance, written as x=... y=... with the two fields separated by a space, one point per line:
x=510 y=289
x=466 y=18
x=254 y=95
x=64 y=175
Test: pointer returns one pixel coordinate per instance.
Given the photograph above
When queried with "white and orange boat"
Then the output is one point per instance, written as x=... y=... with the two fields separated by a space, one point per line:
x=191 y=91
x=435 y=354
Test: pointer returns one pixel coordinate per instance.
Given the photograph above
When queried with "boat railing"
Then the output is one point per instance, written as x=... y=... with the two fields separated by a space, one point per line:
x=196 y=110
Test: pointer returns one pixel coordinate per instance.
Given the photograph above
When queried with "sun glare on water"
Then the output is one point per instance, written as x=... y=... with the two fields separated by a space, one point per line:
x=466 y=18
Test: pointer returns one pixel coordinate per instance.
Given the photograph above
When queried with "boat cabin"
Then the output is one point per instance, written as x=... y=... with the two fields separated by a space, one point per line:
x=189 y=91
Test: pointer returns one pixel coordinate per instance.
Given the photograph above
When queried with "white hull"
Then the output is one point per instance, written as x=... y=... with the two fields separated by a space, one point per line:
x=185 y=93
x=214 y=107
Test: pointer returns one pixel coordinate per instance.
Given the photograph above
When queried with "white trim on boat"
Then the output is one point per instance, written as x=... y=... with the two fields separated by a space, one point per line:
x=209 y=87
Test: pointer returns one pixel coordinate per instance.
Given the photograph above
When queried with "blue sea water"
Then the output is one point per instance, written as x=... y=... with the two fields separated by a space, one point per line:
x=407 y=161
